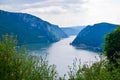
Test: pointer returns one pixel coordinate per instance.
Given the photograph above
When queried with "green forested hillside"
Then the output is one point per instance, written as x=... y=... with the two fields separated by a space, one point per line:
x=92 y=37
x=28 y=28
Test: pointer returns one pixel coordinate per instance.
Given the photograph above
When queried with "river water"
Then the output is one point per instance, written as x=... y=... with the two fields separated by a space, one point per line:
x=62 y=54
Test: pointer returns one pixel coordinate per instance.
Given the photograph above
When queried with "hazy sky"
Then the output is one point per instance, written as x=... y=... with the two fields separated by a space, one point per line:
x=68 y=12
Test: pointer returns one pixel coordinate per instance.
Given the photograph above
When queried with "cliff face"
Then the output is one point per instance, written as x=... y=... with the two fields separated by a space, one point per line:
x=92 y=37
x=29 y=28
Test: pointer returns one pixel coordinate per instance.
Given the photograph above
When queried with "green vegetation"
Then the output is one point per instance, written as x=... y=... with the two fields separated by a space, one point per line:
x=15 y=65
x=28 y=28
x=92 y=37
x=105 y=69
x=98 y=71
x=112 y=47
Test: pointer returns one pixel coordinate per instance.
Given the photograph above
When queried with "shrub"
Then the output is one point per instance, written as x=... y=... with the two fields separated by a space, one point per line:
x=97 y=71
x=112 y=46
x=15 y=65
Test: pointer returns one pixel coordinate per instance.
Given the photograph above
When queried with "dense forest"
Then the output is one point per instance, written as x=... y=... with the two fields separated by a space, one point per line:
x=16 y=65
x=92 y=36
x=29 y=28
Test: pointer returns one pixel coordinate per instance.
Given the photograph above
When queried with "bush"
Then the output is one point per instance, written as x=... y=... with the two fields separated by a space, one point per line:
x=98 y=71
x=112 y=46
x=15 y=65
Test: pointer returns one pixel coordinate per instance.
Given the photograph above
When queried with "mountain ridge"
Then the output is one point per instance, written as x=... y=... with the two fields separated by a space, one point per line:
x=86 y=40
x=70 y=31
x=29 y=28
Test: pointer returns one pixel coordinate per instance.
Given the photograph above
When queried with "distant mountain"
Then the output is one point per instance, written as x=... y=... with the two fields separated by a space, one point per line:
x=92 y=37
x=29 y=28
x=72 y=30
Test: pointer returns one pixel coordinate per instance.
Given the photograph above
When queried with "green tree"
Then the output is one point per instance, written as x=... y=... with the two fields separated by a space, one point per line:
x=112 y=46
x=15 y=65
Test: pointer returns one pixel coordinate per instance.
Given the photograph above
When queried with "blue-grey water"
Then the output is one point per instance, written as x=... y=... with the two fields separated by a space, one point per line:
x=62 y=54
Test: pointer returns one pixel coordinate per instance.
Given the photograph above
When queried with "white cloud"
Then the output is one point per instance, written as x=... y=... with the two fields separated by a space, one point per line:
x=69 y=5
x=68 y=12
x=46 y=10
x=103 y=11
x=8 y=7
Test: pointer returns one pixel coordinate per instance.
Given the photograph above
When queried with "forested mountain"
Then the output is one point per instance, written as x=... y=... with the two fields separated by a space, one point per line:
x=92 y=37
x=29 y=28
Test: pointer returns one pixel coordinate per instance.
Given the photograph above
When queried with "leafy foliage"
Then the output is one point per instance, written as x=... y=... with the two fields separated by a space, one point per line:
x=112 y=46
x=98 y=71
x=14 y=65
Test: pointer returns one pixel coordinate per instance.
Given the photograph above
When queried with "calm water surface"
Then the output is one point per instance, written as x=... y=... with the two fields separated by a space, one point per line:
x=62 y=54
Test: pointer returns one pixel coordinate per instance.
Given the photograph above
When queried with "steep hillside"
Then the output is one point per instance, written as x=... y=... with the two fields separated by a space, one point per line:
x=92 y=37
x=29 y=28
